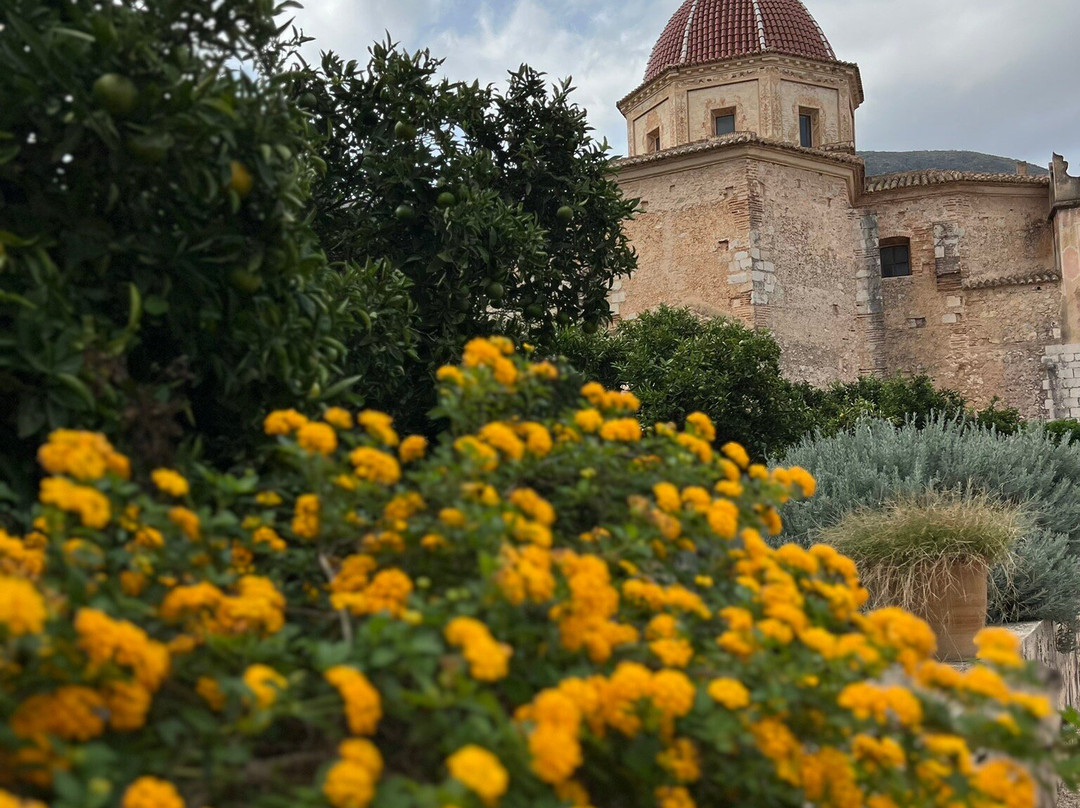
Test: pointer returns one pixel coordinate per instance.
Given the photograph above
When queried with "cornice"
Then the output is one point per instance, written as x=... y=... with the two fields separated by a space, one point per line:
x=744 y=145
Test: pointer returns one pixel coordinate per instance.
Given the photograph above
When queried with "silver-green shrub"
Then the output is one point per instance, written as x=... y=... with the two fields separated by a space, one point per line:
x=877 y=463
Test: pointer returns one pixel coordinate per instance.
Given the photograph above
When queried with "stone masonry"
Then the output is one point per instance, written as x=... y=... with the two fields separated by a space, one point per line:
x=776 y=224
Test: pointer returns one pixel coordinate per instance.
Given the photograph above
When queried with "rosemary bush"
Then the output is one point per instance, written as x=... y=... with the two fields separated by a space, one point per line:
x=878 y=463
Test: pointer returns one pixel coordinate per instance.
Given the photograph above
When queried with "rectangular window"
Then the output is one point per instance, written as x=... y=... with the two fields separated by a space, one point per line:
x=896 y=259
x=806 y=130
x=725 y=124
x=652 y=141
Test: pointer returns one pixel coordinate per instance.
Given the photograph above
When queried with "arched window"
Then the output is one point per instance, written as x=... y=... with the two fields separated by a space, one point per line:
x=895 y=257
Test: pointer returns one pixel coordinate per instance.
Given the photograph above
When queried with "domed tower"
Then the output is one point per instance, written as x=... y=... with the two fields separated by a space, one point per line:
x=723 y=67
x=742 y=157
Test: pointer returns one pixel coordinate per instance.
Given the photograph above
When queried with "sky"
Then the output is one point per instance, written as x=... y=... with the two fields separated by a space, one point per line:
x=995 y=76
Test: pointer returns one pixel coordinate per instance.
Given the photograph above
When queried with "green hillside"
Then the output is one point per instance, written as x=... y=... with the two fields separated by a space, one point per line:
x=880 y=162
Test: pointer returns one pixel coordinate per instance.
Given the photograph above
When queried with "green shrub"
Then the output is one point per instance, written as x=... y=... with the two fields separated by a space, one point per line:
x=678 y=363
x=878 y=463
x=157 y=271
x=1065 y=430
x=897 y=399
x=1003 y=420
x=553 y=608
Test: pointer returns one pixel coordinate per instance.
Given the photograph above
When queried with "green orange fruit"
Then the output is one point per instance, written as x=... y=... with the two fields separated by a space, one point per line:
x=116 y=94
x=240 y=179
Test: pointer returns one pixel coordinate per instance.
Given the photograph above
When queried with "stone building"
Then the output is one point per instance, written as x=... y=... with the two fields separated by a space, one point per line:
x=755 y=205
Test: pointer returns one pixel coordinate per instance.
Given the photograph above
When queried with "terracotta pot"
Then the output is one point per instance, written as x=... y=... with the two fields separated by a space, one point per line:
x=957 y=609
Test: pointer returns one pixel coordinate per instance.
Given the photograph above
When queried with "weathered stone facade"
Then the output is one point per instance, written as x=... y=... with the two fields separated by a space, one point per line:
x=788 y=238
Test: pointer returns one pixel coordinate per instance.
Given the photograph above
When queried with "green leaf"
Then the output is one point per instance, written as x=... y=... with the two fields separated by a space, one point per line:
x=155 y=305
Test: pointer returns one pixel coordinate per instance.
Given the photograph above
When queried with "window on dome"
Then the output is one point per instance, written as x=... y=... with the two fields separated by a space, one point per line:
x=807 y=127
x=895 y=257
x=652 y=141
x=724 y=122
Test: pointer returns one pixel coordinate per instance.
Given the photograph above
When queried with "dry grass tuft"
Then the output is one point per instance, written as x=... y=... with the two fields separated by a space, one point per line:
x=907 y=552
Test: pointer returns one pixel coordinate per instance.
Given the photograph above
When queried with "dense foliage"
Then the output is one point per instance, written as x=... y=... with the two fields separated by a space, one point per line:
x=878 y=463
x=551 y=608
x=496 y=210
x=678 y=363
x=1066 y=430
x=897 y=399
x=156 y=268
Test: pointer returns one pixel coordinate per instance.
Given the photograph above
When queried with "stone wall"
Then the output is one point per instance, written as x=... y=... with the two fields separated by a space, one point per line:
x=692 y=237
x=1062 y=381
x=808 y=236
x=983 y=298
x=787 y=239
x=1038 y=643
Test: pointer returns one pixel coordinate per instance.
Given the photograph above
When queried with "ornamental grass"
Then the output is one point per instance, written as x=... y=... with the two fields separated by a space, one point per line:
x=552 y=606
x=909 y=550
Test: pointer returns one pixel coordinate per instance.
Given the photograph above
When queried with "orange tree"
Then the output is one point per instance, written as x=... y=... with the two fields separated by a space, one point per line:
x=498 y=209
x=549 y=607
x=157 y=271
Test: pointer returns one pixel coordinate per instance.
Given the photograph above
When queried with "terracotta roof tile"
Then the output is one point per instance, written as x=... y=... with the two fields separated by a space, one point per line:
x=914 y=179
x=704 y=31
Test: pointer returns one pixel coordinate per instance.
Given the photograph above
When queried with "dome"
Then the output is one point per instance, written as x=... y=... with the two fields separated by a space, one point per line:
x=704 y=31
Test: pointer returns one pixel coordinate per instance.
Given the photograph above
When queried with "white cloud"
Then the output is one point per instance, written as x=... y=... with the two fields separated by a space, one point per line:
x=988 y=75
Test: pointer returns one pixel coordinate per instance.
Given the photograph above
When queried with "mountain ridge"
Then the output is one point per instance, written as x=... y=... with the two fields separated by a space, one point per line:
x=897 y=162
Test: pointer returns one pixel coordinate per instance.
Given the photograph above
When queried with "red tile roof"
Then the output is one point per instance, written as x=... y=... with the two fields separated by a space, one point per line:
x=704 y=31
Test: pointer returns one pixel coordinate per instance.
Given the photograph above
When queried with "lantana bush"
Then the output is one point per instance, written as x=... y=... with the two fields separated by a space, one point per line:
x=550 y=607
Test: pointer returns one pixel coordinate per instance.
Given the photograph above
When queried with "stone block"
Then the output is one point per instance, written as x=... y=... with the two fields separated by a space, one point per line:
x=950 y=319
x=738 y=279
x=953 y=302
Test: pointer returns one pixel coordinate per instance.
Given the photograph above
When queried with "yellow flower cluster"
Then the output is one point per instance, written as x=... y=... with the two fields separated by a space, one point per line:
x=489 y=660
x=265 y=683
x=106 y=641
x=22 y=558
x=363 y=706
x=585 y=619
x=90 y=504
x=317 y=438
x=412 y=448
x=355 y=590
x=492 y=354
x=8 y=800
x=525 y=574
x=170 y=482
x=151 y=792
x=305 y=523
x=283 y=422
x=479 y=771
x=257 y=607
x=22 y=608
x=375 y=466
x=612 y=401
x=71 y=713
x=350 y=782
x=378 y=425
x=86 y=456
